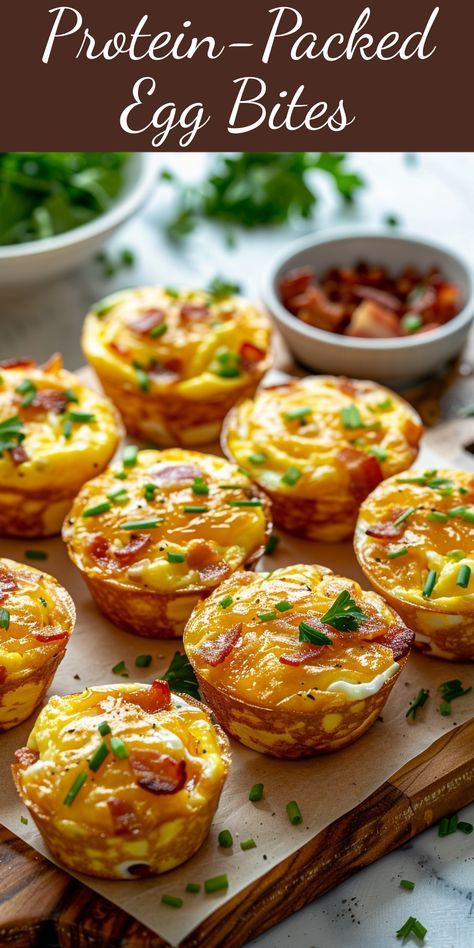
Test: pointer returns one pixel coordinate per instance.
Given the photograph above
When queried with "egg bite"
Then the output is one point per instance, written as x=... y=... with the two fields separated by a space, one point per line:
x=37 y=617
x=156 y=541
x=123 y=780
x=174 y=362
x=415 y=542
x=296 y=662
x=318 y=446
x=55 y=434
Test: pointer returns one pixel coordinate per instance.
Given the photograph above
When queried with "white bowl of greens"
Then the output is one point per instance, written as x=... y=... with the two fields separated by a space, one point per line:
x=58 y=208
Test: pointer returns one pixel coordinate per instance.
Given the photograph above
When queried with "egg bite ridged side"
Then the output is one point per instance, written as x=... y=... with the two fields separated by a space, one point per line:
x=278 y=670
x=415 y=543
x=174 y=362
x=55 y=434
x=318 y=446
x=153 y=543
x=37 y=618
x=123 y=780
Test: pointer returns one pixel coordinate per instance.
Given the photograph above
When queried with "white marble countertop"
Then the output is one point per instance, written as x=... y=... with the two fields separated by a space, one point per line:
x=434 y=197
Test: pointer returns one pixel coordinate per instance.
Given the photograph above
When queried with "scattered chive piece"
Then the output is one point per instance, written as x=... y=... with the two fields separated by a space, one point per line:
x=456 y=512
x=199 y=487
x=104 y=728
x=24 y=820
x=248 y=844
x=118 y=668
x=43 y=602
x=256 y=793
x=101 y=508
x=254 y=502
x=294 y=813
x=465 y=827
x=456 y=554
x=351 y=417
x=175 y=557
x=173 y=900
x=308 y=634
x=257 y=458
x=195 y=508
x=193 y=887
x=468 y=516
x=82 y=416
x=141 y=524
x=143 y=661
x=283 y=606
x=74 y=789
x=117 y=492
x=443 y=826
x=4 y=618
x=28 y=389
x=412 y=926
x=450 y=690
x=453 y=824
x=149 y=491
x=385 y=404
x=266 y=616
x=142 y=378
x=120 y=476
x=70 y=395
x=231 y=486
x=411 y=322
x=216 y=883
x=430 y=583
x=36 y=555
x=291 y=476
x=225 y=839
x=271 y=544
x=67 y=428
x=437 y=516
x=118 y=748
x=406 y=884
x=378 y=452
x=226 y=602
x=464 y=576
x=402 y=551
x=98 y=756
x=129 y=456
x=420 y=700
x=158 y=330
x=404 y=516
x=297 y=413
x=228 y=371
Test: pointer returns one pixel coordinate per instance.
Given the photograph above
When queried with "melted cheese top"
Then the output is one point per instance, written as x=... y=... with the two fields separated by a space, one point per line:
x=61 y=452
x=182 y=549
x=252 y=670
x=438 y=536
x=66 y=736
x=273 y=434
x=198 y=351
x=39 y=615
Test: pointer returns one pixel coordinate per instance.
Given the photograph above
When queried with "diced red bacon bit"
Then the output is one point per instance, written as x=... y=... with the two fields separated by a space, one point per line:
x=251 y=355
x=99 y=546
x=7 y=583
x=119 y=350
x=47 y=399
x=387 y=300
x=369 y=320
x=347 y=386
x=174 y=474
x=54 y=363
x=50 y=634
x=19 y=455
x=211 y=568
x=155 y=698
x=315 y=308
x=18 y=363
x=215 y=651
x=26 y=757
x=123 y=815
x=303 y=656
x=214 y=573
x=168 y=371
x=371 y=628
x=399 y=639
x=295 y=283
x=388 y=529
x=147 y=321
x=364 y=471
x=190 y=311
x=135 y=546
x=3 y=674
x=157 y=772
x=412 y=431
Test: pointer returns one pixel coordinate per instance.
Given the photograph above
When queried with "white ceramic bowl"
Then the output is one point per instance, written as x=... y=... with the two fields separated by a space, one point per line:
x=40 y=260
x=396 y=362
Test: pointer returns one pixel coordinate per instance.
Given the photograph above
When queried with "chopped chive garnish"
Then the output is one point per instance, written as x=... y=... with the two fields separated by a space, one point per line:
x=130 y=455
x=291 y=476
x=412 y=927
x=257 y=458
x=283 y=606
x=385 y=404
x=450 y=690
x=309 y=634
x=195 y=508
x=456 y=555
x=456 y=511
x=98 y=756
x=394 y=554
x=118 y=748
x=231 y=486
x=351 y=417
x=43 y=602
x=430 y=583
x=36 y=554
x=74 y=789
x=437 y=516
x=143 y=661
x=199 y=487
x=225 y=839
x=465 y=827
x=464 y=576
x=67 y=428
x=377 y=452
x=70 y=395
x=119 y=668
x=193 y=887
x=406 y=884
x=294 y=813
x=271 y=544
x=85 y=417
x=468 y=516
x=266 y=616
x=216 y=883
x=101 y=508
x=419 y=701
x=443 y=826
x=120 y=476
x=158 y=330
x=149 y=491
x=173 y=900
x=116 y=492
x=404 y=516
x=228 y=371
x=248 y=844
x=141 y=524
x=226 y=602
x=254 y=502
x=28 y=389
x=143 y=378
x=4 y=618
x=24 y=820
x=175 y=557
x=297 y=413
x=104 y=728
x=453 y=823
x=256 y=793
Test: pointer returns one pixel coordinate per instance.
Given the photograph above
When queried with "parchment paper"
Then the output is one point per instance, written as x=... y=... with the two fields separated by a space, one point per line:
x=324 y=788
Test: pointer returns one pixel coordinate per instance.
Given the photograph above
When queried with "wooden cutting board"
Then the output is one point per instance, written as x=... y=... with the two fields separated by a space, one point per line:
x=43 y=906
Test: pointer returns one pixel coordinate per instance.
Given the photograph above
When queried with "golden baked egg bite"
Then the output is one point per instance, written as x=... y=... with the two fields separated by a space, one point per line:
x=415 y=542
x=37 y=617
x=318 y=446
x=55 y=434
x=297 y=662
x=155 y=536
x=174 y=362
x=123 y=780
